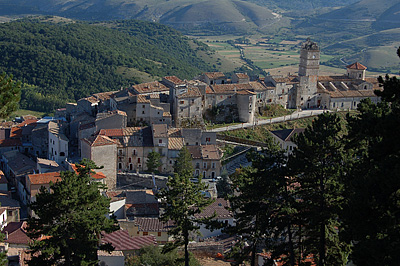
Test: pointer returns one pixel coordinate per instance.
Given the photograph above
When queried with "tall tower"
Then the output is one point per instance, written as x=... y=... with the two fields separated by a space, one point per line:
x=309 y=59
x=306 y=90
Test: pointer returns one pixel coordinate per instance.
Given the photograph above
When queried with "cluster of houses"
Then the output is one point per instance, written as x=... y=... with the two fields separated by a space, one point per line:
x=119 y=129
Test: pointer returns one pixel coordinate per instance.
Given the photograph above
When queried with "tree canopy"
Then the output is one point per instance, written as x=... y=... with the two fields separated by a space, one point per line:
x=68 y=220
x=68 y=61
x=371 y=213
x=183 y=199
x=10 y=94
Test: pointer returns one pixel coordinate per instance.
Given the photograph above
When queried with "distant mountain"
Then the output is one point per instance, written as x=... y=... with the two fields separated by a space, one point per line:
x=377 y=14
x=214 y=15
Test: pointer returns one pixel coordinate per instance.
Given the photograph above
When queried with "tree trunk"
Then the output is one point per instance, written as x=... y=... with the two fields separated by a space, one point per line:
x=291 y=247
x=322 y=226
x=253 y=254
x=186 y=248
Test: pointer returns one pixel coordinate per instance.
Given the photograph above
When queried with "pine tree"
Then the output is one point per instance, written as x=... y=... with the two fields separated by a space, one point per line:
x=372 y=214
x=262 y=206
x=318 y=167
x=10 y=94
x=182 y=201
x=69 y=219
x=153 y=161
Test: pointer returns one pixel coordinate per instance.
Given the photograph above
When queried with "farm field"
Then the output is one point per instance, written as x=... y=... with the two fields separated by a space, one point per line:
x=278 y=56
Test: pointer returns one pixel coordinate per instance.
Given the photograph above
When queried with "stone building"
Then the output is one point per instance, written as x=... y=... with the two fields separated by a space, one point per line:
x=103 y=151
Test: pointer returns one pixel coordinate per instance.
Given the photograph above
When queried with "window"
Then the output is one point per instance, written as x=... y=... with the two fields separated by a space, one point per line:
x=143 y=106
x=204 y=174
x=134 y=152
x=145 y=233
x=181 y=102
x=159 y=233
x=212 y=165
x=197 y=165
x=334 y=104
x=192 y=100
x=143 y=112
x=204 y=165
x=342 y=104
x=119 y=165
x=62 y=153
x=130 y=159
x=208 y=139
x=160 y=141
x=138 y=160
x=197 y=172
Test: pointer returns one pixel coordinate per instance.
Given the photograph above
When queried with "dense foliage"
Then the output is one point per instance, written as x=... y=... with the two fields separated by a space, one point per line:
x=153 y=255
x=373 y=188
x=70 y=218
x=74 y=60
x=183 y=200
x=10 y=94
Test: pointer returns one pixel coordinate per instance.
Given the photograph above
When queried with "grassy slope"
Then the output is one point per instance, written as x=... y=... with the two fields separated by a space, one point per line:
x=260 y=133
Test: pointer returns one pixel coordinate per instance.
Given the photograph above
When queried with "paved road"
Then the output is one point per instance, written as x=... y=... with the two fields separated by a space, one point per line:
x=294 y=116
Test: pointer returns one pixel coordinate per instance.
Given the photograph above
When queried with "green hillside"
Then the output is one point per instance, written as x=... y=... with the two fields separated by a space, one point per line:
x=67 y=61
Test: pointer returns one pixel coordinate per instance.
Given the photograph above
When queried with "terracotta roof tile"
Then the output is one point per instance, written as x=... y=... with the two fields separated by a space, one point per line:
x=219 y=206
x=16 y=233
x=215 y=75
x=230 y=88
x=175 y=143
x=116 y=132
x=160 y=131
x=149 y=87
x=99 y=140
x=357 y=65
x=191 y=93
x=10 y=142
x=242 y=75
x=121 y=240
x=175 y=80
x=93 y=174
x=211 y=152
x=153 y=225
x=245 y=92
x=46 y=178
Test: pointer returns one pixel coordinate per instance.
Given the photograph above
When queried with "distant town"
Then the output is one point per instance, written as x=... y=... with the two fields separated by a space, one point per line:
x=119 y=129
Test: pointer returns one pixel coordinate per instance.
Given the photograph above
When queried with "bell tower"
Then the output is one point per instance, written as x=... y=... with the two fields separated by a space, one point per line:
x=309 y=59
x=308 y=75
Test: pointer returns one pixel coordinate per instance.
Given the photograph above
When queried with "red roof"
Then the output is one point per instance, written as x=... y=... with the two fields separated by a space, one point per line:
x=16 y=233
x=357 y=65
x=219 y=207
x=95 y=175
x=121 y=240
x=118 y=132
x=10 y=142
x=152 y=225
x=45 y=178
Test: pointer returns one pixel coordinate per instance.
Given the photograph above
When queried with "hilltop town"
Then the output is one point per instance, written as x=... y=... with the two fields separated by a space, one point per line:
x=119 y=129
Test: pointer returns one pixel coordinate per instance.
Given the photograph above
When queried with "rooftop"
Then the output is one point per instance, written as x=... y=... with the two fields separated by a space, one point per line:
x=121 y=240
x=357 y=66
x=219 y=207
x=152 y=225
x=287 y=134
x=46 y=178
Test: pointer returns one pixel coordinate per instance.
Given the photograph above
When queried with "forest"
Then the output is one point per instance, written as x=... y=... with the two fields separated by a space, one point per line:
x=60 y=62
